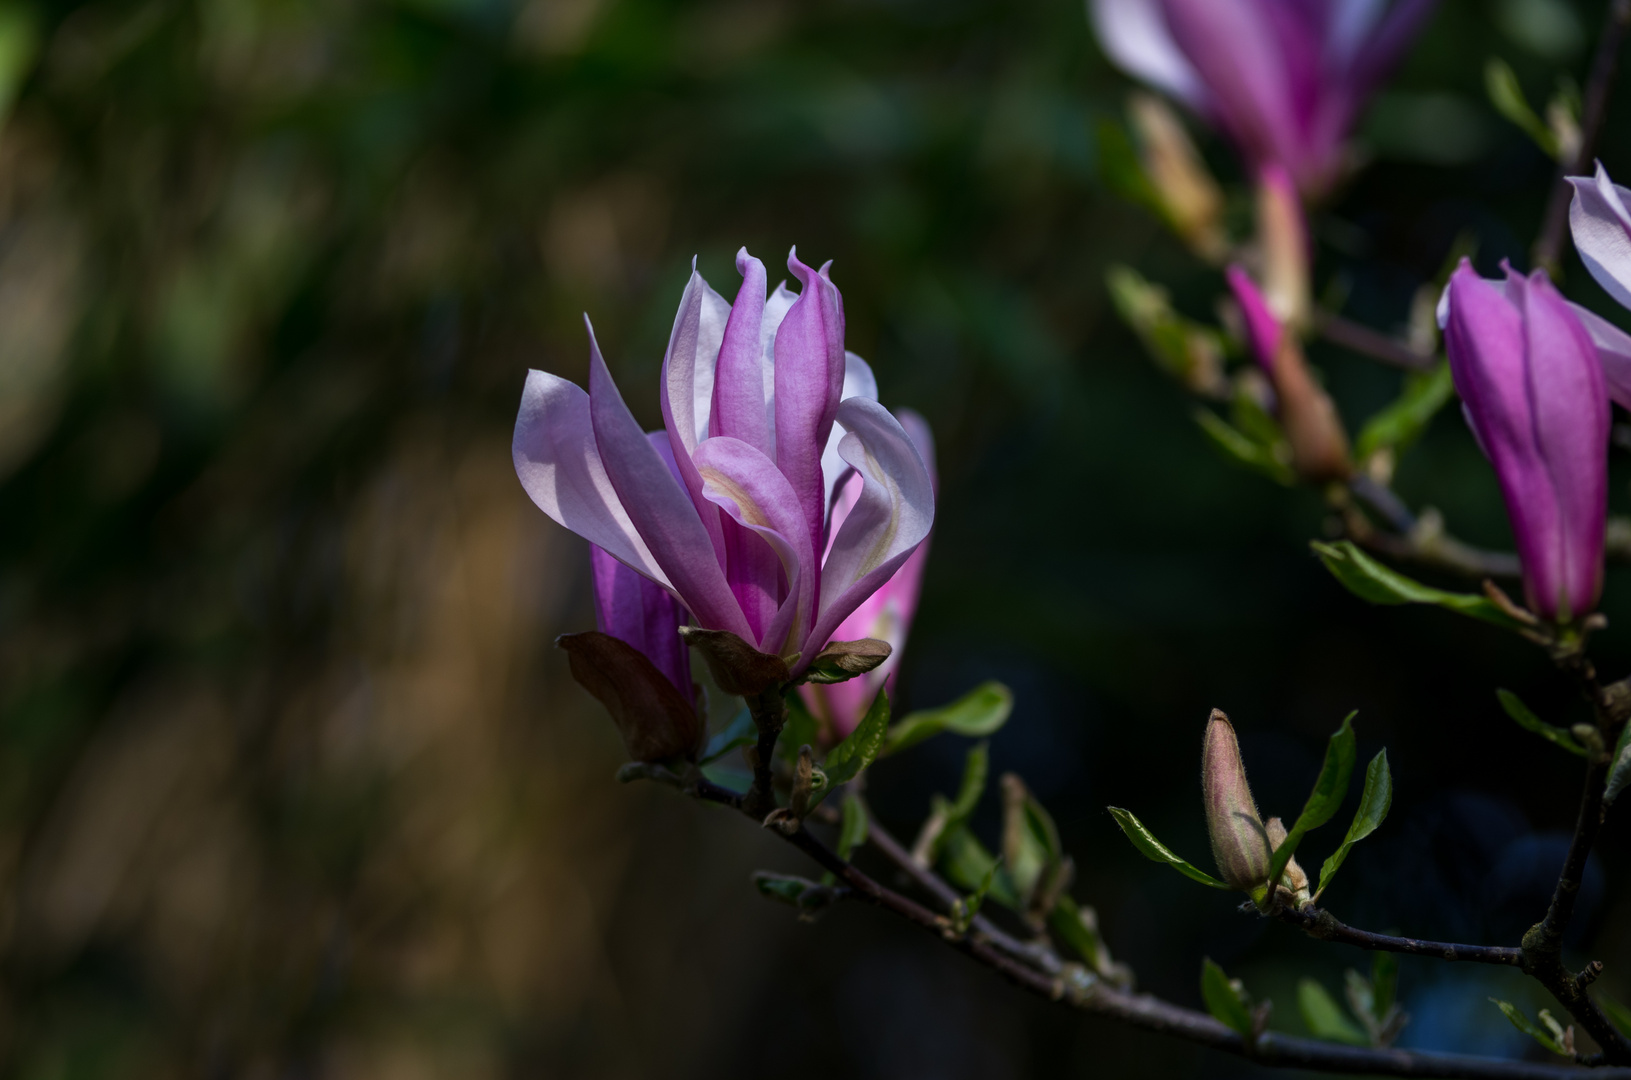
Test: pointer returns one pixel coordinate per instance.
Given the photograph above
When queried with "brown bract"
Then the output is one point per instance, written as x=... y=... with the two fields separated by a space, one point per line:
x=655 y=720
x=842 y=660
x=737 y=667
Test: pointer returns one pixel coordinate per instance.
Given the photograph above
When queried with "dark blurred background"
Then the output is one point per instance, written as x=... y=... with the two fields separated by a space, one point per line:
x=292 y=783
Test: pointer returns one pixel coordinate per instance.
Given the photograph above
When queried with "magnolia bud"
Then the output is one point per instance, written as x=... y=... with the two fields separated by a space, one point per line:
x=1189 y=197
x=1319 y=443
x=1239 y=843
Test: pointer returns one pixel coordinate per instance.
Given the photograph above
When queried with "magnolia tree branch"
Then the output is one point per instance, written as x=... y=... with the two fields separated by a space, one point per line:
x=1359 y=338
x=1037 y=969
x=1548 y=251
x=1327 y=927
x=1420 y=539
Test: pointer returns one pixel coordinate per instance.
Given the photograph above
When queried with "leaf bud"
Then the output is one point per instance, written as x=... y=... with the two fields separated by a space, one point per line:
x=1240 y=844
x=1292 y=878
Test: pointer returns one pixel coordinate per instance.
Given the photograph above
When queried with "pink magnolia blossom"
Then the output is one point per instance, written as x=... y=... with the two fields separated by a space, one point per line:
x=1285 y=79
x=727 y=508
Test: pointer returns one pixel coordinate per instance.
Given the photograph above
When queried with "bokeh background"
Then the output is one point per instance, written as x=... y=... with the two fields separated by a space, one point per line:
x=292 y=783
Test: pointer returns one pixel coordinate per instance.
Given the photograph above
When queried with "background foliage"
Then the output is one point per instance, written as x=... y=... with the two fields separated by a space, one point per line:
x=291 y=781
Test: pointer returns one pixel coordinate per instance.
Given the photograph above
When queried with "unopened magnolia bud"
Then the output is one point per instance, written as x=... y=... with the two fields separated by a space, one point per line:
x=1239 y=843
x=1190 y=198
x=1282 y=248
x=1319 y=443
x=1292 y=877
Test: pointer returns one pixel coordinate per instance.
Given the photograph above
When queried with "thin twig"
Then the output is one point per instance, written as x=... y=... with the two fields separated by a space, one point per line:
x=1359 y=338
x=1548 y=250
x=1327 y=927
x=1420 y=539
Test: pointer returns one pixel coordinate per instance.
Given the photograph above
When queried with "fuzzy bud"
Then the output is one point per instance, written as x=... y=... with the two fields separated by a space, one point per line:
x=1239 y=842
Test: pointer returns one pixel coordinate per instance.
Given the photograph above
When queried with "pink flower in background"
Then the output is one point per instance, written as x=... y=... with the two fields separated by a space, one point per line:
x=885 y=615
x=726 y=509
x=1533 y=391
x=1285 y=79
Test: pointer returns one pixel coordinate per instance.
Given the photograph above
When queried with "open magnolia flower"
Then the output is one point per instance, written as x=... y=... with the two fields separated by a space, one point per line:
x=728 y=509
x=1285 y=79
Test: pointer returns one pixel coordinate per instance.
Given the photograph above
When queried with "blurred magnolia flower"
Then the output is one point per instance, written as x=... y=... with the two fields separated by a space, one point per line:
x=1602 y=234
x=1534 y=394
x=727 y=509
x=886 y=615
x=1285 y=79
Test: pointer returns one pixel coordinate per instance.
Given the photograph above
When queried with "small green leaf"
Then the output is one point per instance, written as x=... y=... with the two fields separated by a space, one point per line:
x=1371 y=581
x=966 y=863
x=947 y=817
x=1066 y=921
x=978 y=713
x=976 y=899
x=1031 y=851
x=739 y=732
x=794 y=891
x=1620 y=774
x=1373 y=807
x=1527 y=720
x=858 y=751
x=1189 y=351
x=852 y=831
x=1402 y=422
x=1122 y=170
x=1617 y=1014
x=1324 y=1018
x=1330 y=787
x=1155 y=851
x=1225 y=998
x=801 y=728
x=1269 y=459
x=1527 y=1026
x=1507 y=96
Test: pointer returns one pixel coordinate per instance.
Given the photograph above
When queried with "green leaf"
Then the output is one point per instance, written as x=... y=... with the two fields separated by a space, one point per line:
x=1527 y=1026
x=794 y=891
x=1323 y=1018
x=1617 y=1014
x=801 y=728
x=1188 y=351
x=1066 y=921
x=966 y=863
x=976 y=899
x=1154 y=850
x=1031 y=851
x=1373 y=807
x=1266 y=459
x=853 y=830
x=1122 y=170
x=1620 y=774
x=978 y=714
x=1370 y=580
x=1225 y=998
x=946 y=817
x=739 y=732
x=855 y=753
x=1401 y=423
x=1527 y=720
x=1330 y=787
x=1501 y=82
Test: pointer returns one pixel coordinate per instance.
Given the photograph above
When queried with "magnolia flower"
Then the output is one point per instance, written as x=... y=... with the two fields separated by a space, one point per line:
x=1602 y=234
x=727 y=508
x=1285 y=79
x=885 y=615
x=1534 y=394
